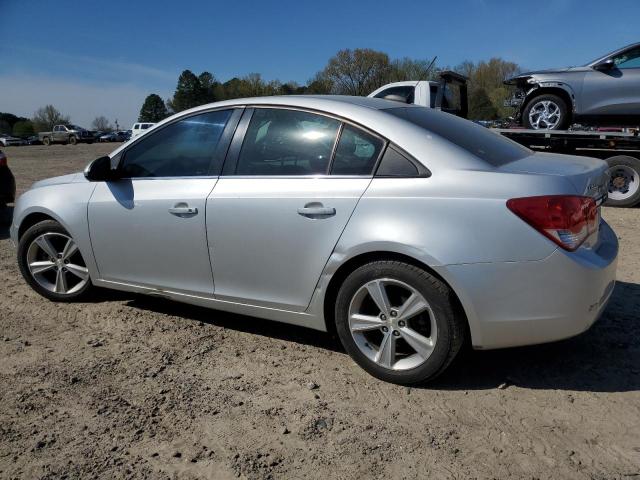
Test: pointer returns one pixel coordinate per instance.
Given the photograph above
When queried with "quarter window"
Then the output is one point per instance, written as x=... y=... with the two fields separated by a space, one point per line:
x=287 y=142
x=394 y=164
x=186 y=148
x=357 y=152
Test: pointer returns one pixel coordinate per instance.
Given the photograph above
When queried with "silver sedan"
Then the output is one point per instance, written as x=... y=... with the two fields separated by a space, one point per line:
x=404 y=230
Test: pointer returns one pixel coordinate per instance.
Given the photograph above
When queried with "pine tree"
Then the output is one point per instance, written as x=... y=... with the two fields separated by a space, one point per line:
x=153 y=109
x=189 y=92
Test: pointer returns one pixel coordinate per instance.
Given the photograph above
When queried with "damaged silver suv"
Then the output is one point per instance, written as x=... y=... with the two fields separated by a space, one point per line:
x=603 y=92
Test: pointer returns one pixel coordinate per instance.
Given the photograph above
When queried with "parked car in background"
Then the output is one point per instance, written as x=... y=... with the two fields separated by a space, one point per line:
x=33 y=140
x=404 y=229
x=139 y=128
x=71 y=134
x=9 y=141
x=7 y=184
x=604 y=91
x=120 y=136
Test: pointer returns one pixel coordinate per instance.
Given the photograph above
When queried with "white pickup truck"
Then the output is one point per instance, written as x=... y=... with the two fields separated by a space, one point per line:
x=449 y=94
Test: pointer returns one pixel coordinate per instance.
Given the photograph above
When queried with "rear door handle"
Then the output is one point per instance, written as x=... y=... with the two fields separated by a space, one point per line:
x=183 y=209
x=315 y=210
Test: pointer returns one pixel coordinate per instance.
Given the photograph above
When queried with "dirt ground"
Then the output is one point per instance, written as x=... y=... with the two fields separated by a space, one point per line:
x=137 y=387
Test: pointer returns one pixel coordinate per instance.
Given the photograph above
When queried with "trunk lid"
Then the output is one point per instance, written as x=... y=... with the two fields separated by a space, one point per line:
x=588 y=175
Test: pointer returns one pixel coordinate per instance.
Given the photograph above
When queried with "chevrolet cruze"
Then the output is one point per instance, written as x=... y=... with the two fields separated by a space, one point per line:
x=405 y=230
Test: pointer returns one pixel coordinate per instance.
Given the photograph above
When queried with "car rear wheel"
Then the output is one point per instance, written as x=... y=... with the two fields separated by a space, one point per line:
x=73 y=140
x=546 y=112
x=46 y=141
x=624 y=181
x=398 y=322
x=50 y=261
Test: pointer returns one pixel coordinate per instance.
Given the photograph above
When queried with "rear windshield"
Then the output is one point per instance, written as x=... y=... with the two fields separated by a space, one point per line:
x=494 y=149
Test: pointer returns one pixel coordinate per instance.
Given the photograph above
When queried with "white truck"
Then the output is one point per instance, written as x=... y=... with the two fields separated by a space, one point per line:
x=139 y=128
x=620 y=149
x=449 y=94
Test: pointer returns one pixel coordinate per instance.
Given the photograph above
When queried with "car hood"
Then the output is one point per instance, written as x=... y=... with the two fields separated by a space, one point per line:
x=550 y=71
x=71 y=178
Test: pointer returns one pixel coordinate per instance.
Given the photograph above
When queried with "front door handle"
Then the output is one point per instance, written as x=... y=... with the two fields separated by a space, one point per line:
x=183 y=209
x=316 y=210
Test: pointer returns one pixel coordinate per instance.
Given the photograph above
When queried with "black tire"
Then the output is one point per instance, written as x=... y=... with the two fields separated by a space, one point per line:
x=624 y=183
x=46 y=141
x=47 y=226
x=564 y=121
x=451 y=326
x=73 y=140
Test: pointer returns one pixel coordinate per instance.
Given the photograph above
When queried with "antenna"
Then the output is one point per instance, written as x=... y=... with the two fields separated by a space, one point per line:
x=429 y=67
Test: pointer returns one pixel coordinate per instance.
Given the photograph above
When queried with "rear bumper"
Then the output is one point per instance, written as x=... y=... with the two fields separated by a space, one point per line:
x=523 y=303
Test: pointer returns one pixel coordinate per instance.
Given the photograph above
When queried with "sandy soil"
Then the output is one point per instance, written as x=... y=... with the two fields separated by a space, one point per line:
x=135 y=387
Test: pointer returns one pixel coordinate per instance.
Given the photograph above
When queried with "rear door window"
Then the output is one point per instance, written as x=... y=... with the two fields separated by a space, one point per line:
x=287 y=142
x=357 y=152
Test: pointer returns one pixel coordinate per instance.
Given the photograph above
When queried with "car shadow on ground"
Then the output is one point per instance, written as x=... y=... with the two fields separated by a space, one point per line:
x=604 y=359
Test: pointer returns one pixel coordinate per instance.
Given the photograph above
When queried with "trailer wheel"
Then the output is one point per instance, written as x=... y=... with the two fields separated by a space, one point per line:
x=624 y=181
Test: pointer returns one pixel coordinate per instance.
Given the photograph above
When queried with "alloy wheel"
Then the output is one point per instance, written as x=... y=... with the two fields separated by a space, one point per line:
x=392 y=324
x=56 y=264
x=545 y=114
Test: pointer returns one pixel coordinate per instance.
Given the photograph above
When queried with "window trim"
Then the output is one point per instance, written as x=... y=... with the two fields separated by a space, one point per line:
x=233 y=154
x=226 y=137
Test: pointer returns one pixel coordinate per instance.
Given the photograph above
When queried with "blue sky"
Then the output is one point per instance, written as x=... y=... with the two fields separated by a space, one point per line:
x=103 y=58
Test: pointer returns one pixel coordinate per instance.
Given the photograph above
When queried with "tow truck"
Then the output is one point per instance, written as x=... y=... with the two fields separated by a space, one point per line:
x=620 y=149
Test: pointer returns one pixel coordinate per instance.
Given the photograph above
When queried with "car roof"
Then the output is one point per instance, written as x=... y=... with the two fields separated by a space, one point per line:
x=363 y=111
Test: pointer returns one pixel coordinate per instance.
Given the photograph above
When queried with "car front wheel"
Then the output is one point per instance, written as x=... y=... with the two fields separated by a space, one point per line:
x=398 y=322
x=50 y=261
x=546 y=112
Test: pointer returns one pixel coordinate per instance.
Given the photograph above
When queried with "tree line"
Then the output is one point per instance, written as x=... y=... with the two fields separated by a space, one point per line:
x=348 y=72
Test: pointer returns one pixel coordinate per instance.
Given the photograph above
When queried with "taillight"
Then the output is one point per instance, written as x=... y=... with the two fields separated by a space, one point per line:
x=3 y=160
x=566 y=219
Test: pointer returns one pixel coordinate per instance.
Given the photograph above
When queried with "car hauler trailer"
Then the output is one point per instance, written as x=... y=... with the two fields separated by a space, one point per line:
x=621 y=150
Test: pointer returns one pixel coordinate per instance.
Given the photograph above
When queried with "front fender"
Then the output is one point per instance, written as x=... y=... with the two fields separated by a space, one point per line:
x=66 y=204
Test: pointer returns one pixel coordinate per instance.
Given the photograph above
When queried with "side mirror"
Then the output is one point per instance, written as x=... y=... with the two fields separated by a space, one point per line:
x=607 y=64
x=100 y=170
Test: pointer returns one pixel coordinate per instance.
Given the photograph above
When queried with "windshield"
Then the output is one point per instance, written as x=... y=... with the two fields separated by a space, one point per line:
x=494 y=149
x=74 y=127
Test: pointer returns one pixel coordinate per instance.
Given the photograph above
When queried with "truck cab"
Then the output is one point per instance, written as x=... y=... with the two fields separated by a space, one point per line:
x=449 y=94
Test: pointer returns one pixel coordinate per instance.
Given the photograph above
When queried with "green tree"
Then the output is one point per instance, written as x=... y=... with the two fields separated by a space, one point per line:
x=153 y=109
x=46 y=117
x=357 y=72
x=486 y=79
x=8 y=120
x=481 y=107
x=23 y=128
x=189 y=92
x=208 y=84
x=409 y=69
